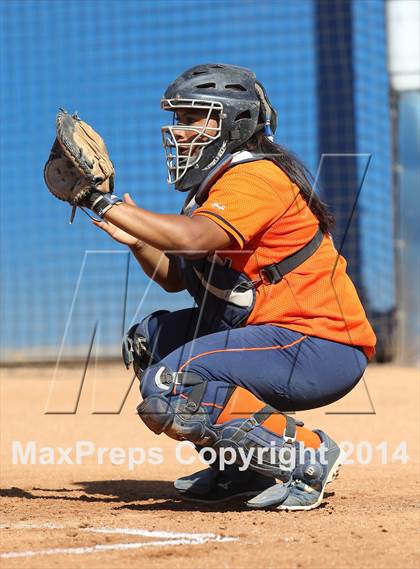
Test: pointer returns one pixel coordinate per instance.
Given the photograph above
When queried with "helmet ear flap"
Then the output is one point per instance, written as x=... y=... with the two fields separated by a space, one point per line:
x=244 y=124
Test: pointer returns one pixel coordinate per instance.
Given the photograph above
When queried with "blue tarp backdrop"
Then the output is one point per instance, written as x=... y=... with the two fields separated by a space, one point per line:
x=111 y=61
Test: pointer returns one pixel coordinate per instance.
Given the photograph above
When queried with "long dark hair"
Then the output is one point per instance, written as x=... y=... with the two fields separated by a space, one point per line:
x=298 y=174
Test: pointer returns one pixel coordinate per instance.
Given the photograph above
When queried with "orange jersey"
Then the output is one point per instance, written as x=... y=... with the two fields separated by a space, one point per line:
x=258 y=205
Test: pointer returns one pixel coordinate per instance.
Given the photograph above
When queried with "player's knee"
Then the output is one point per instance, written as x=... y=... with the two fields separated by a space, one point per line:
x=159 y=379
x=156 y=380
x=163 y=415
x=166 y=410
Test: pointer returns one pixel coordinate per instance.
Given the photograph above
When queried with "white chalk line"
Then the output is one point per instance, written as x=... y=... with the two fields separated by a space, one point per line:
x=167 y=539
x=162 y=534
x=27 y=525
x=104 y=529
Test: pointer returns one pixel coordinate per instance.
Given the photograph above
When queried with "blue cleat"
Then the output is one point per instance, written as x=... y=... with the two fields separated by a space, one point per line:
x=305 y=490
x=212 y=486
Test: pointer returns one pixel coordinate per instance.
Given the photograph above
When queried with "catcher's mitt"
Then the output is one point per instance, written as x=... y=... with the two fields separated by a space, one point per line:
x=79 y=164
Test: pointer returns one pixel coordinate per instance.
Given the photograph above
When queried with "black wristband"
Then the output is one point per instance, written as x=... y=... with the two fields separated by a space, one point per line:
x=91 y=198
x=103 y=203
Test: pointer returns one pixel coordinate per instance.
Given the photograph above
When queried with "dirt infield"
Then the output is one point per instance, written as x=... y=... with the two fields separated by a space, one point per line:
x=121 y=514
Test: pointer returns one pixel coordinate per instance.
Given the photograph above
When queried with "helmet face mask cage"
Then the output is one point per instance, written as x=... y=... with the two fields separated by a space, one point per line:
x=181 y=156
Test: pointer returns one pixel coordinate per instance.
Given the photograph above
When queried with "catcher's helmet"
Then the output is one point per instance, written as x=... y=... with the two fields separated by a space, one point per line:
x=228 y=93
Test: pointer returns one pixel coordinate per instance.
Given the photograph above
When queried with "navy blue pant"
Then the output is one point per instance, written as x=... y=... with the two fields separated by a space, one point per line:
x=286 y=369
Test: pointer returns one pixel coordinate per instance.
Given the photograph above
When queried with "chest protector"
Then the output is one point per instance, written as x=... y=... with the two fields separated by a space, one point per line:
x=226 y=296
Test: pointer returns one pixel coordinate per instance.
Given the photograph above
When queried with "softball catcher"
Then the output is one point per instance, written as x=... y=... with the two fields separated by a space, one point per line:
x=277 y=327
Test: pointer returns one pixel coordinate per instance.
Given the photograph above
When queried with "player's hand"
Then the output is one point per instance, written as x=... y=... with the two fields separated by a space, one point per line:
x=116 y=233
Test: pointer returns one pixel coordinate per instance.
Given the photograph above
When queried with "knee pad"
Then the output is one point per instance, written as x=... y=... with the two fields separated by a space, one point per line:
x=136 y=345
x=161 y=380
x=160 y=415
x=173 y=405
